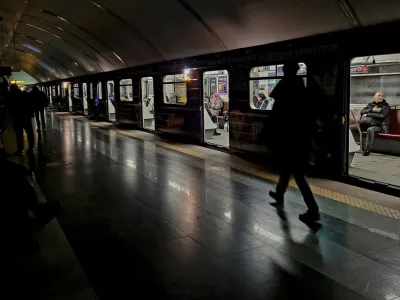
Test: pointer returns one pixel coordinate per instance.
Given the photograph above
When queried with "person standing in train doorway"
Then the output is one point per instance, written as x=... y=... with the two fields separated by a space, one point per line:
x=291 y=111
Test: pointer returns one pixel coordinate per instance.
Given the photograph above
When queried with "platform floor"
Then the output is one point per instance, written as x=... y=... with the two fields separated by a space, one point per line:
x=147 y=217
x=377 y=167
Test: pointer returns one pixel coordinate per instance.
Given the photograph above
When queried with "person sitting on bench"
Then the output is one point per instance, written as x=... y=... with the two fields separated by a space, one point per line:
x=374 y=118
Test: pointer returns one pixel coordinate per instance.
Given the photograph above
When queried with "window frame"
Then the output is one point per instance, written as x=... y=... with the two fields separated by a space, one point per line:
x=127 y=85
x=174 y=83
x=277 y=78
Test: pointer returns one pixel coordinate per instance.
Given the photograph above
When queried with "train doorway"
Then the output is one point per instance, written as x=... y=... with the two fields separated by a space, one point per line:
x=85 y=100
x=70 y=97
x=374 y=119
x=147 y=85
x=111 y=101
x=216 y=108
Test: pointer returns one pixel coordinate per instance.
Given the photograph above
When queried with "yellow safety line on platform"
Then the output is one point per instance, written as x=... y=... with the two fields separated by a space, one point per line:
x=349 y=200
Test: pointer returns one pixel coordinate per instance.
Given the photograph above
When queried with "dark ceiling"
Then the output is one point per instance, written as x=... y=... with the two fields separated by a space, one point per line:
x=59 y=39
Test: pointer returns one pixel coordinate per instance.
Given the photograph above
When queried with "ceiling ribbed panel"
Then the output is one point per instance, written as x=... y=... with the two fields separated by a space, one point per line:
x=59 y=39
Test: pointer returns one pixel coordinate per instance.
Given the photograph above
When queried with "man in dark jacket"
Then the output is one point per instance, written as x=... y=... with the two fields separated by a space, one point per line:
x=374 y=118
x=293 y=152
x=21 y=110
x=40 y=102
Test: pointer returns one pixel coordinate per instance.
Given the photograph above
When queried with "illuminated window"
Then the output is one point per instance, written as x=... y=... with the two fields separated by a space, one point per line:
x=91 y=90
x=175 y=91
x=63 y=92
x=126 y=90
x=99 y=90
x=58 y=90
x=76 y=91
x=372 y=74
x=263 y=81
x=53 y=91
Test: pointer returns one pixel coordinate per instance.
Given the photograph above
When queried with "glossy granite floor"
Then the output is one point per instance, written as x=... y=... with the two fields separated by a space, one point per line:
x=145 y=221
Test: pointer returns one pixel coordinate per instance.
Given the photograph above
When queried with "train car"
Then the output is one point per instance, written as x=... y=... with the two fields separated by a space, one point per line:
x=223 y=99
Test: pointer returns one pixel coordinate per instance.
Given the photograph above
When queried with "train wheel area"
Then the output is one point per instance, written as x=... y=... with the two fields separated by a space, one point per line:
x=142 y=214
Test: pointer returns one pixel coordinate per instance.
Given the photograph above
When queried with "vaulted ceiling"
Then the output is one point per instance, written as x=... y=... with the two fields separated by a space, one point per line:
x=52 y=39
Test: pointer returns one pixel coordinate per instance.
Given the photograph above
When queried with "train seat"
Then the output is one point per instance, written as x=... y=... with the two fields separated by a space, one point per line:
x=383 y=141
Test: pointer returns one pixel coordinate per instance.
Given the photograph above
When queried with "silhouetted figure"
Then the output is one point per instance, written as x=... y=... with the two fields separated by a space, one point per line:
x=40 y=102
x=21 y=110
x=292 y=121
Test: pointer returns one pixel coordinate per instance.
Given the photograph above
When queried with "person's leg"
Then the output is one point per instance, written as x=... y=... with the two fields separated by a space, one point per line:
x=19 y=134
x=29 y=132
x=42 y=117
x=370 y=138
x=305 y=190
x=37 y=117
x=284 y=177
x=312 y=214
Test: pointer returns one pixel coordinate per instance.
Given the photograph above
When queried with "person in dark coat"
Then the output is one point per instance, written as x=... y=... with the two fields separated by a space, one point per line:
x=292 y=122
x=40 y=102
x=374 y=118
x=21 y=110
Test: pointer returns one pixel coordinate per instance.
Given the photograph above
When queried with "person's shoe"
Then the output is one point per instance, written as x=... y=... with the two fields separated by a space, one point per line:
x=310 y=217
x=366 y=152
x=217 y=133
x=19 y=152
x=278 y=199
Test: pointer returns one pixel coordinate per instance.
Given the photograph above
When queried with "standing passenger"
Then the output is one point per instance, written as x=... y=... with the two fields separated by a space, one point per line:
x=290 y=112
x=40 y=102
x=21 y=110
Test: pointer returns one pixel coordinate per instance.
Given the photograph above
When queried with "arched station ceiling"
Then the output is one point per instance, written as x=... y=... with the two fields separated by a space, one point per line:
x=54 y=39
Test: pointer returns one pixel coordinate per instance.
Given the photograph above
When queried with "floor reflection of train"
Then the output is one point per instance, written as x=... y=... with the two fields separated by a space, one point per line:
x=224 y=99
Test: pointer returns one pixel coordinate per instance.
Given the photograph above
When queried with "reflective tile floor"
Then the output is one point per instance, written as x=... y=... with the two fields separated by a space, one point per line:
x=147 y=221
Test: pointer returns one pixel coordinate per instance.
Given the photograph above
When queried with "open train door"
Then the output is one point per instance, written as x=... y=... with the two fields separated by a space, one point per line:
x=111 y=100
x=85 y=99
x=216 y=108
x=147 y=88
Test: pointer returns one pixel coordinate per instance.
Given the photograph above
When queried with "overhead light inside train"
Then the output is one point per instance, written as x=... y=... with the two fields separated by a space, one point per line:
x=65 y=85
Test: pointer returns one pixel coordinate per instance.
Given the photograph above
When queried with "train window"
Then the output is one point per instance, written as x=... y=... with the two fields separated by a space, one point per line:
x=372 y=74
x=76 y=90
x=126 y=90
x=100 y=90
x=58 y=90
x=53 y=91
x=91 y=90
x=64 y=92
x=175 y=89
x=263 y=80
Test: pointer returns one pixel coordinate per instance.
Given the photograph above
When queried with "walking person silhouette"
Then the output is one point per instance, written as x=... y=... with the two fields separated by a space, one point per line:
x=292 y=113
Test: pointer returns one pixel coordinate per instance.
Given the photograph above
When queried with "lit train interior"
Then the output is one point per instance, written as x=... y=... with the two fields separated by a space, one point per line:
x=372 y=75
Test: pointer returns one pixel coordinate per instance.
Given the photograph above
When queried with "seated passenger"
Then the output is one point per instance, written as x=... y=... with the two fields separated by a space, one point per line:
x=374 y=118
x=261 y=102
x=216 y=103
x=214 y=109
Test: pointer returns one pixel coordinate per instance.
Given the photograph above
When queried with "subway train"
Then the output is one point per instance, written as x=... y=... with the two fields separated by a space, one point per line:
x=222 y=99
